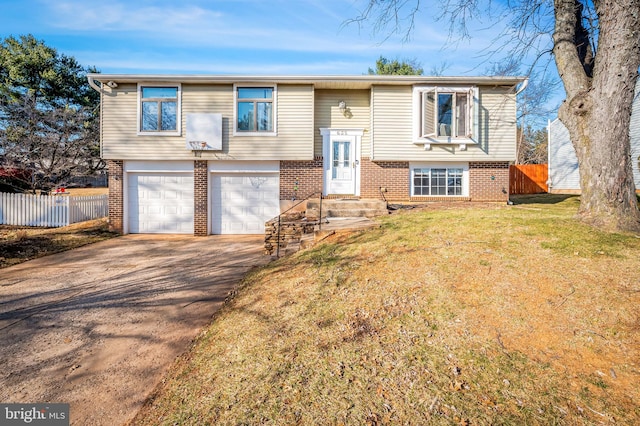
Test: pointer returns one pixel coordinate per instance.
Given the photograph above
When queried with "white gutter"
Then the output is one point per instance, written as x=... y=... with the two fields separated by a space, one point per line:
x=305 y=79
x=92 y=83
x=525 y=83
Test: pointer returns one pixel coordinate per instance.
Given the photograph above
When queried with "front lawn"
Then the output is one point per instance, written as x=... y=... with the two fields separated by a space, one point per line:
x=465 y=314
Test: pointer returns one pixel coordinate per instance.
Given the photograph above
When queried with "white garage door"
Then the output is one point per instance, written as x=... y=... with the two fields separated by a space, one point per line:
x=243 y=202
x=160 y=203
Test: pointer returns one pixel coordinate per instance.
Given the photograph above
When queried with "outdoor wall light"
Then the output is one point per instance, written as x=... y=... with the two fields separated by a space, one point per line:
x=342 y=105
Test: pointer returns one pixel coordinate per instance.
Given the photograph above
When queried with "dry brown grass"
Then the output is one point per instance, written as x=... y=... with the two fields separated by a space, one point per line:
x=19 y=244
x=82 y=192
x=459 y=315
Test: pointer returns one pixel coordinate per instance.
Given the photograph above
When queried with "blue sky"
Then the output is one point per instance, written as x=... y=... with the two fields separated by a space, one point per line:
x=273 y=37
x=247 y=37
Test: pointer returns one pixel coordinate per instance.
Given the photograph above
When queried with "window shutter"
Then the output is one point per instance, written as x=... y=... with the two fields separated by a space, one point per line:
x=474 y=114
x=462 y=115
x=429 y=110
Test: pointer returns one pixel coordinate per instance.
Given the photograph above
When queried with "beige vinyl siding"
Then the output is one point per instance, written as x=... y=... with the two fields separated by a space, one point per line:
x=328 y=115
x=295 y=128
x=118 y=122
x=499 y=104
x=294 y=140
x=393 y=123
x=393 y=128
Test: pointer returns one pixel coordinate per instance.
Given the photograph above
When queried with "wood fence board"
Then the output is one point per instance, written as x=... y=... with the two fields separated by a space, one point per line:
x=528 y=179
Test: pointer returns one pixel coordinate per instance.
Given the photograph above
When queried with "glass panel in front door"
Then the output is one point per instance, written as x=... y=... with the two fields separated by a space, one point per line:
x=341 y=160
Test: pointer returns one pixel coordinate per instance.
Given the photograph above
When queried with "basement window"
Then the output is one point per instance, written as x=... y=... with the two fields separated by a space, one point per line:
x=439 y=181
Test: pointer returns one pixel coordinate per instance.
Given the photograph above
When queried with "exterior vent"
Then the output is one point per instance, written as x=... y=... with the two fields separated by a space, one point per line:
x=204 y=132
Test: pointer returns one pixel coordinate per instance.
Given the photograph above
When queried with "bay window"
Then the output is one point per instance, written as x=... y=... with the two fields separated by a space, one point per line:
x=445 y=114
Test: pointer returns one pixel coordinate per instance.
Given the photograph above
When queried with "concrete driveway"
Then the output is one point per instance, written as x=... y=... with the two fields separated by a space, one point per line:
x=97 y=327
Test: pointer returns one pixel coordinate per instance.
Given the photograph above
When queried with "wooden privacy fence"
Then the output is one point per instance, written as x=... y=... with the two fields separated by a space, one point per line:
x=50 y=210
x=528 y=178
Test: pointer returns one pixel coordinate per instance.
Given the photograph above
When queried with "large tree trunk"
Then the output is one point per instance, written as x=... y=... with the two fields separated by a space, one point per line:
x=597 y=110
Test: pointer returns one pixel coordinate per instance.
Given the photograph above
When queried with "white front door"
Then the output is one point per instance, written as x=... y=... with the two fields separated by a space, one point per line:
x=341 y=152
x=342 y=167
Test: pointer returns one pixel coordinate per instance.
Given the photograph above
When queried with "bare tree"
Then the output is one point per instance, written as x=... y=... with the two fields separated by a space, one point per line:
x=439 y=69
x=596 y=47
x=532 y=145
x=533 y=110
x=52 y=144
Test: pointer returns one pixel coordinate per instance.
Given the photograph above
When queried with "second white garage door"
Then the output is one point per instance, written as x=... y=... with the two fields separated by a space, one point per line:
x=160 y=203
x=243 y=202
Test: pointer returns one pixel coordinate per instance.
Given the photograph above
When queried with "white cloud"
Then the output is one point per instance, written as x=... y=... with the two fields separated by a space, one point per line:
x=193 y=25
x=237 y=36
x=119 y=16
x=132 y=62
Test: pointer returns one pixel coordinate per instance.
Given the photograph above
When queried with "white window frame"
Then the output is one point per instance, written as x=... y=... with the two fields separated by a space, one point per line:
x=465 y=176
x=419 y=94
x=178 y=131
x=274 y=104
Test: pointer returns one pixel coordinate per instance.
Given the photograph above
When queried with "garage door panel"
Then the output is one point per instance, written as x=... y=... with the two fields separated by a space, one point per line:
x=242 y=203
x=254 y=196
x=161 y=203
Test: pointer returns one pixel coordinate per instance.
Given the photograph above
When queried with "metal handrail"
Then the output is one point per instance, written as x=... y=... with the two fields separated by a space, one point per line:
x=291 y=208
x=384 y=198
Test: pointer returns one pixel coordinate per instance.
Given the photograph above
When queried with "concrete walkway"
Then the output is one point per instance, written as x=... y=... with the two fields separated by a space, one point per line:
x=97 y=327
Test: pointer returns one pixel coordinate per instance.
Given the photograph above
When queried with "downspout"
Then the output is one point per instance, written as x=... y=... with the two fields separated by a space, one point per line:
x=549 y=167
x=520 y=137
x=525 y=83
x=94 y=86
x=371 y=115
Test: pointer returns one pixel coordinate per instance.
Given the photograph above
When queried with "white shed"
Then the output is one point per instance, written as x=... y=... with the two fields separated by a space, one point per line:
x=564 y=176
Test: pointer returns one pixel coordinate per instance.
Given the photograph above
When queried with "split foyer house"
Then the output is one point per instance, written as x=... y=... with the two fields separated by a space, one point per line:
x=223 y=154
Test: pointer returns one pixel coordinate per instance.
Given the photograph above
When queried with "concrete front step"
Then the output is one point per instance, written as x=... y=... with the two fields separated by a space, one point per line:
x=353 y=212
x=347 y=208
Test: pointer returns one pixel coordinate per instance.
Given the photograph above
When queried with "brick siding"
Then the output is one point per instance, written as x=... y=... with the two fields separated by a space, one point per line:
x=200 y=197
x=391 y=175
x=116 y=196
x=489 y=181
x=299 y=179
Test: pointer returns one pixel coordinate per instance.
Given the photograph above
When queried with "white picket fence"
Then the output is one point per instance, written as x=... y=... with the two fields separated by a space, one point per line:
x=50 y=210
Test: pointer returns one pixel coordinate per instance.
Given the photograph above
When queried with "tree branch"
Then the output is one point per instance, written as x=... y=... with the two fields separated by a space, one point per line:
x=570 y=66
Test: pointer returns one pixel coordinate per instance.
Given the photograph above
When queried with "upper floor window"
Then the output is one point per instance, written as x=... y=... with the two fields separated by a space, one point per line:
x=445 y=113
x=159 y=109
x=255 y=109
